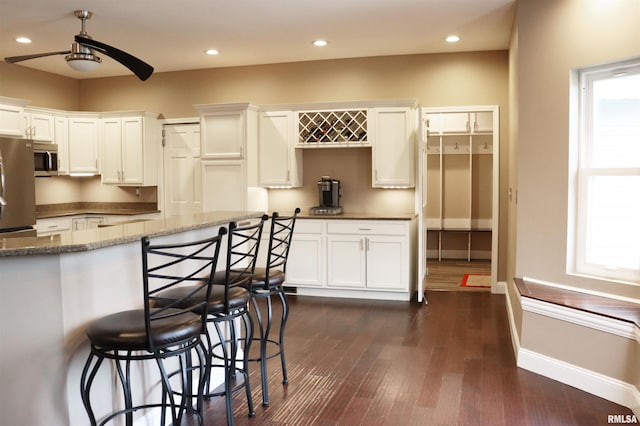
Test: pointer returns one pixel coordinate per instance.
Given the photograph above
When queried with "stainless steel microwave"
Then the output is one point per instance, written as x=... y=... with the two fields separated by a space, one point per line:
x=45 y=159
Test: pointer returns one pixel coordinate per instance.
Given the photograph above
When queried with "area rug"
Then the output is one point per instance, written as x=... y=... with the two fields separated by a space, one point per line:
x=476 y=280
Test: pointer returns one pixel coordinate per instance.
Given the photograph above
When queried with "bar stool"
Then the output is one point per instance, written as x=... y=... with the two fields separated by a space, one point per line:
x=268 y=282
x=228 y=305
x=158 y=333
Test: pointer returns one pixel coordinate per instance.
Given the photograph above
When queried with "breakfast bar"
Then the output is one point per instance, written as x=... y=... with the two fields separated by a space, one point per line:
x=52 y=287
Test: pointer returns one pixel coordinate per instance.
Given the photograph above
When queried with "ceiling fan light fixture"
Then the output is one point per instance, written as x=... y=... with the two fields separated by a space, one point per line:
x=83 y=62
x=82 y=58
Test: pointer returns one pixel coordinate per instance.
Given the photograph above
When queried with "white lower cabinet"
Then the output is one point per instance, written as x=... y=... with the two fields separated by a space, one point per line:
x=53 y=225
x=351 y=258
x=306 y=262
x=87 y=222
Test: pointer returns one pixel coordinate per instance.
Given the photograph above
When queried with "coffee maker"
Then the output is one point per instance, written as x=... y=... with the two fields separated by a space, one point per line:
x=329 y=194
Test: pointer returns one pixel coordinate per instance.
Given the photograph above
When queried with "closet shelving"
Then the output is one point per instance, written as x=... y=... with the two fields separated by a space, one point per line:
x=459 y=184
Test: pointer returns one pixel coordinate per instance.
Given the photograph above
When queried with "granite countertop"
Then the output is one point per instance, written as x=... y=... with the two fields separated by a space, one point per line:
x=47 y=211
x=359 y=216
x=91 y=239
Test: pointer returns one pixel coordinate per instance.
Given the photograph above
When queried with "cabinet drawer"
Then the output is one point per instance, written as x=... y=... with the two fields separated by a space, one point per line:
x=308 y=226
x=364 y=228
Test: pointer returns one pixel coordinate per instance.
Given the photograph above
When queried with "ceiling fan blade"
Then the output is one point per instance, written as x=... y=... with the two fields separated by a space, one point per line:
x=137 y=66
x=13 y=59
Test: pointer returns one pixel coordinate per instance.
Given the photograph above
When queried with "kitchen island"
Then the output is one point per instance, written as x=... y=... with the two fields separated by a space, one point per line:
x=52 y=287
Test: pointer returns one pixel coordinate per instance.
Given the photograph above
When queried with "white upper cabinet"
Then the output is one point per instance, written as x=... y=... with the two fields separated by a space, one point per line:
x=460 y=122
x=223 y=130
x=228 y=154
x=11 y=117
x=61 y=125
x=224 y=185
x=129 y=154
x=392 y=137
x=39 y=125
x=482 y=122
x=280 y=164
x=83 y=144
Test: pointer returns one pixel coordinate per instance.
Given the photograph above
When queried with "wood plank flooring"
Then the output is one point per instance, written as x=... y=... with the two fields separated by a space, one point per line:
x=362 y=362
x=447 y=274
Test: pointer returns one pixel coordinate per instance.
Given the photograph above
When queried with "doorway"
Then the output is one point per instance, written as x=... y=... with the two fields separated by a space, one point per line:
x=458 y=198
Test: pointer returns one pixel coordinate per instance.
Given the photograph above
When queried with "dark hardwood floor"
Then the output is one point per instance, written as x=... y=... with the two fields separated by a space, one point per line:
x=446 y=274
x=362 y=362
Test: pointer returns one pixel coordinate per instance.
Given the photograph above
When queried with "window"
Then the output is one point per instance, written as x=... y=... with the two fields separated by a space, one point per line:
x=607 y=237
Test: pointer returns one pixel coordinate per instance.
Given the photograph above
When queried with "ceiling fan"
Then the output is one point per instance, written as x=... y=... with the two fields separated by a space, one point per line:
x=82 y=58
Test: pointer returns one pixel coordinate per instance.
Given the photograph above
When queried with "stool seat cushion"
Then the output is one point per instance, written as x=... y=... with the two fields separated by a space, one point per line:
x=276 y=278
x=126 y=330
x=238 y=297
x=235 y=278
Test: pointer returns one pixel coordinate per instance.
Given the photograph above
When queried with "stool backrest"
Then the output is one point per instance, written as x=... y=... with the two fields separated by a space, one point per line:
x=242 y=251
x=166 y=266
x=280 y=241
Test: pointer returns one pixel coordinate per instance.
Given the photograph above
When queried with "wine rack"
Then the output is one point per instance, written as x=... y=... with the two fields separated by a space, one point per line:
x=332 y=127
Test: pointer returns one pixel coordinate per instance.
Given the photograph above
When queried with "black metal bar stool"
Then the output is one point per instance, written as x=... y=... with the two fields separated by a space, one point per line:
x=228 y=313
x=268 y=282
x=158 y=333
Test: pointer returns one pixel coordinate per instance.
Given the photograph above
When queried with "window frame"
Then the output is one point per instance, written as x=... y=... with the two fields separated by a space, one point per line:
x=585 y=170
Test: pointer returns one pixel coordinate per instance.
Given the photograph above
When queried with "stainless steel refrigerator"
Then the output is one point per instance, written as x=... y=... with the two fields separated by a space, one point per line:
x=17 y=188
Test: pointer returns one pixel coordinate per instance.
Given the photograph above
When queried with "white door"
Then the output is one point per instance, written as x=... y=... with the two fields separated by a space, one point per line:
x=182 y=169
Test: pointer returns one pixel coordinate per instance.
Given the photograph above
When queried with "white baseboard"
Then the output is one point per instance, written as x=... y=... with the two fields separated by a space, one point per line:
x=515 y=338
x=611 y=389
x=597 y=384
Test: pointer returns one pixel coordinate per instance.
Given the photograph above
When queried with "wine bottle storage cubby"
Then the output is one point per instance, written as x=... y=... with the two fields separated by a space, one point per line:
x=332 y=127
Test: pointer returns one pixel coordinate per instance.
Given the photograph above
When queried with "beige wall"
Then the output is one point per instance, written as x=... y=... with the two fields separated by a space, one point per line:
x=475 y=78
x=553 y=38
x=41 y=88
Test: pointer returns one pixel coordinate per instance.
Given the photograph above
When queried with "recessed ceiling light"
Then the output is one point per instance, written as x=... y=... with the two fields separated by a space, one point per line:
x=320 y=43
x=212 y=52
x=23 y=40
x=452 y=39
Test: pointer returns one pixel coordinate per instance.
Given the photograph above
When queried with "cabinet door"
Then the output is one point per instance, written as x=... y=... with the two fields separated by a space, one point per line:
x=482 y=121
x=110 y=160
x=83 y=145
x=41 y=127
x=223 y=134
x=393 y=147
x=132 y=150
x=79 y=224
x=53 y=225
x=278 y=165
x=11 y=120
x=455 y=122
x=223 y=185
x=346 y=266
x=387 y=263
x=62 y=140
x=94 y=221
x=306 y=262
